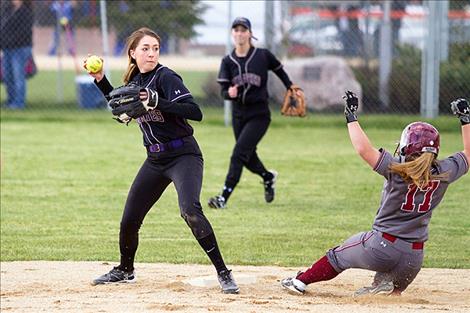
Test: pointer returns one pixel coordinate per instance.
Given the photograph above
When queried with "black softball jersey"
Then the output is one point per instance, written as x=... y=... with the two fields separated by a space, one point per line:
x=250 y=74
x=175 y=105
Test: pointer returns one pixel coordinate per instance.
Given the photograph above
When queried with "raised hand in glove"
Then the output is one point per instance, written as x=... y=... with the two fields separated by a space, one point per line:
x=461 y=108
x=352 y=104
x=131 y=101
x=294 y=102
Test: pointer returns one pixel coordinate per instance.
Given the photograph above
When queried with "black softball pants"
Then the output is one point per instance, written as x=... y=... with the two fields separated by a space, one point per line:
x=248 y=133
x=185 y=171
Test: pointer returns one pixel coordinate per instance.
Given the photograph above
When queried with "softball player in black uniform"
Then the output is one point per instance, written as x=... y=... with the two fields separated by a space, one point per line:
x=173 y=155
x=243 y=77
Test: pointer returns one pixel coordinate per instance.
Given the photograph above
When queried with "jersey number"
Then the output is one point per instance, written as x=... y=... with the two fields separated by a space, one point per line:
x=410 y=205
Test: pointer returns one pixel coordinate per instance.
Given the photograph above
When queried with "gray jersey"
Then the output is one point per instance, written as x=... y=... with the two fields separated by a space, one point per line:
x=405 y=210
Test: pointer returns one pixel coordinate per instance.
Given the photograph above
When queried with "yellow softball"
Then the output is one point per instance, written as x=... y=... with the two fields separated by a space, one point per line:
x=64 y=21
x=94 y=64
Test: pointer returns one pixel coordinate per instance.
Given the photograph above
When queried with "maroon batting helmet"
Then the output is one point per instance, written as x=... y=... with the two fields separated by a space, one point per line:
x=416 y=138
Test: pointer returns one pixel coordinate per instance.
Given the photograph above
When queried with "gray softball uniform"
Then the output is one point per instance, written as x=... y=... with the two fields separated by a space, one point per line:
x=394 y=246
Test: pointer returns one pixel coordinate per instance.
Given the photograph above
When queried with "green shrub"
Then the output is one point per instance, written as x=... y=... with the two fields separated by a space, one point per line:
x=368 y=78
x=405 y=80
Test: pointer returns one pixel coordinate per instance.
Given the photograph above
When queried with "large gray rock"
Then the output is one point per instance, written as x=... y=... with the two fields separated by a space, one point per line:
x=324 y=80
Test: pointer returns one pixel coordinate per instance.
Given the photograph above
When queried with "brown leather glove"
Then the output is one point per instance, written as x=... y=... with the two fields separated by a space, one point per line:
x=294 y=102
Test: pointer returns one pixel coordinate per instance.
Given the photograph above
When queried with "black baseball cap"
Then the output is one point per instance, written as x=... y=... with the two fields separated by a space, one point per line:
x=243 y=21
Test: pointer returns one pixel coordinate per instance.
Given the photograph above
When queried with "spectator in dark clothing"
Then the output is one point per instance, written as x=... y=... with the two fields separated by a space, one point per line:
x=16 y=42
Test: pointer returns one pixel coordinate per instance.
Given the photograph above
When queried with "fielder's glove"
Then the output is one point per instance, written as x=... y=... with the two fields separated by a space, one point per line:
x=294 y=102
x=352 y=104
x=126 y=103
x=461 y=108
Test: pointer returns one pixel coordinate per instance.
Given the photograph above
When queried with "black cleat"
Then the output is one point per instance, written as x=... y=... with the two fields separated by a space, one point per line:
x=227 y=282
x=269 y=187
x=115 y=276
x=217 y=202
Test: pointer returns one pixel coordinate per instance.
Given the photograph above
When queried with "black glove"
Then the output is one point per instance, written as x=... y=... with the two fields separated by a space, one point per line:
x=352 y=104
x=126 y=104
x=461 y=108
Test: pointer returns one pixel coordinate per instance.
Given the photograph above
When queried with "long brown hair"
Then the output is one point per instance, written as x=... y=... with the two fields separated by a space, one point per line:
x=417 y=169
x=131 y=43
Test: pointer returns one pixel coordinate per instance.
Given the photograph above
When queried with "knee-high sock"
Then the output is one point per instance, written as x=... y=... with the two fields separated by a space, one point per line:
x=319 y=271
x=209 y=244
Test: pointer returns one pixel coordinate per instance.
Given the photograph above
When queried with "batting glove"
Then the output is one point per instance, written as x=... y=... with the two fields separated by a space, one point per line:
x=461 y=108
x=151 y=101
x=352 y=104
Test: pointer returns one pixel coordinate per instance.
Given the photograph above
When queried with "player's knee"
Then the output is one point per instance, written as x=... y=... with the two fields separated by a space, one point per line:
x=192 y=214
x=401 y=283
x=130 y=226
x=190 y=219
x=240 y=156
x=198 y=223
x=333 y=260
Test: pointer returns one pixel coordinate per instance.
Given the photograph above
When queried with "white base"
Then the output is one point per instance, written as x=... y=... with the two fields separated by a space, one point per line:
x=212 y=281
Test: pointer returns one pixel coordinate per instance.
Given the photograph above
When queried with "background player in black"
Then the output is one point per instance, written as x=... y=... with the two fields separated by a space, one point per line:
x=243 y=77
x=173 y=155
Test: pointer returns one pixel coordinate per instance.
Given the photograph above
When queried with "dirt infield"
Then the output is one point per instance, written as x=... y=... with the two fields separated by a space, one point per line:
x=65 y=287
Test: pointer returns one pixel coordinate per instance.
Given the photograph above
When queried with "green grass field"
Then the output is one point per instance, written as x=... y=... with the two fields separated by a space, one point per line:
x=65 y=177
x=43 y=93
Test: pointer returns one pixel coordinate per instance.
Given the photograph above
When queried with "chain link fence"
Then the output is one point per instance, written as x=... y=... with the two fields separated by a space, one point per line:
x=382 y=43
x=353 y=30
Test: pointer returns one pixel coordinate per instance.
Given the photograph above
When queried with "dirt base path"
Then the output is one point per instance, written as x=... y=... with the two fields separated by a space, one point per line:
x=65 y=287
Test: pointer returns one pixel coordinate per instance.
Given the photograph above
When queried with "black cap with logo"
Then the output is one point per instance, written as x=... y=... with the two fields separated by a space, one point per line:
x=243 y=21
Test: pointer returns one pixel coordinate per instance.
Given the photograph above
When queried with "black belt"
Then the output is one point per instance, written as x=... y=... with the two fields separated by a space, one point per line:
x=167 y=146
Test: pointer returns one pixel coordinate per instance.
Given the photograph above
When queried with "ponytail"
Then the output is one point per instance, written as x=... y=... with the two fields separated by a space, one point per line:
x=131 y=71
x=418 y=170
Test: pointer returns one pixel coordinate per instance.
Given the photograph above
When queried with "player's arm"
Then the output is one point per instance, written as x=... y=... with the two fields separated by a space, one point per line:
x=175 y=99
x=362 y=145
x=283 y=77
x=187 y=108
x=359 y=139
x=228 y=91
x=278 y=69
x=104 y=85
x=466 y=140
x=461 y=108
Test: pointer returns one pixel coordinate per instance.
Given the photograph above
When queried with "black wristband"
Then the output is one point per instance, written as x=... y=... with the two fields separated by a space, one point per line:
x=351 y=118
x=464 y=119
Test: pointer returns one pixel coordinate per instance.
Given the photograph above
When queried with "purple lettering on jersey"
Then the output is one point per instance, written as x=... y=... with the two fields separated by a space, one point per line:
x=247 y=78
x=151 y=116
